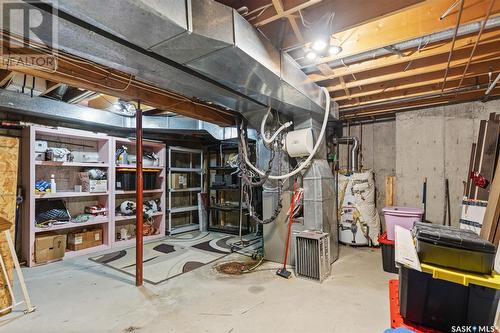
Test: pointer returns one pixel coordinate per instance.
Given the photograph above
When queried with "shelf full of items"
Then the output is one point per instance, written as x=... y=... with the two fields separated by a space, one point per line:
x=185 y=186
x=124 y=198
x=65 y=176
x=226 y=206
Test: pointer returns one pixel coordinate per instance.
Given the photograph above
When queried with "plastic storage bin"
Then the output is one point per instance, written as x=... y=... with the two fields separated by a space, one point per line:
x=387 y=246
x=453 y=247
x=402 y=216
x=125 y=179
x=427 y=298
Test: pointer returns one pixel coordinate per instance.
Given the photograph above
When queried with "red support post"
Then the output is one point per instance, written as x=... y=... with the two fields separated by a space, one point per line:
x=139 y=198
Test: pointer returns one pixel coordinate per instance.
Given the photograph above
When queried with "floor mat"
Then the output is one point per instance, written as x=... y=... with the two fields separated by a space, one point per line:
x=172 y=256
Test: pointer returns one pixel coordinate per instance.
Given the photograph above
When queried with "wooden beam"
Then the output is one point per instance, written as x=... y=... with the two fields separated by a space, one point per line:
x=50 y=87
x=5 y=77
x=419 y=67
x=342 y=83
x=415 y=92
x=395 y=107
x=278 y=5
x=284 y=13
x=93 y=77
x=479 y=69
x=417 y=21
x=464 y=42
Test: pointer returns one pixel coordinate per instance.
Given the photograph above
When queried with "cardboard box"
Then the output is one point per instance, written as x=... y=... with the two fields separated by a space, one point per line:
x=49 y=247
x=84 y=239
x=90 y=185
x=179 y=180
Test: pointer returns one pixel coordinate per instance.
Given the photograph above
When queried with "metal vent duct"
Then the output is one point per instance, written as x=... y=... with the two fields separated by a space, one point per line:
x=56 y=110
x=198 y=48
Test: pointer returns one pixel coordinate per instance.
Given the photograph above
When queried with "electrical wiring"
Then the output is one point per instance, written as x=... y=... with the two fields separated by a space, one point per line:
x=309 y=158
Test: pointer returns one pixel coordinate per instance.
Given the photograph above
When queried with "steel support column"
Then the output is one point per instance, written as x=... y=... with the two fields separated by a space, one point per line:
x=139 y=199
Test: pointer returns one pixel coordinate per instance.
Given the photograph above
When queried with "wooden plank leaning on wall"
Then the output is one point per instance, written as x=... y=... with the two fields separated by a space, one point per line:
x=9 y=152
x=491 y=222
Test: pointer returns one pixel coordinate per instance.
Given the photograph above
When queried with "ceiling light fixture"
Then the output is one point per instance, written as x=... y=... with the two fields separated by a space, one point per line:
x=334 y=50
x=319 y=45
x=311 y=55
x=123 y=108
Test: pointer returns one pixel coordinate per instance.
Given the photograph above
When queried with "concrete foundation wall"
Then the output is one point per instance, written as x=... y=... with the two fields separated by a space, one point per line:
x=436 y=143
x=433 y=143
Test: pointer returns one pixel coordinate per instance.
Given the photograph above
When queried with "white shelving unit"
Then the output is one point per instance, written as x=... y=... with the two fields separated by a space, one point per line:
x=192 y=166
x=65 y=174
x=66 y=178
x=158 y=193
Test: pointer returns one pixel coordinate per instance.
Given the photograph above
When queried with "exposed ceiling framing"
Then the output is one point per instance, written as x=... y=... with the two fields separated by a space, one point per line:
x=402 y=79
x=387 y=82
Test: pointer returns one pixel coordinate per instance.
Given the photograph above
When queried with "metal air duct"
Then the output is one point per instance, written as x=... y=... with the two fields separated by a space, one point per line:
x=198 y=48
x=13 y=102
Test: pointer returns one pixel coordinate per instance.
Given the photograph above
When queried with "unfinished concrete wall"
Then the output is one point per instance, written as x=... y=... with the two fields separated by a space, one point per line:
x=435 y=143
x=378 y=152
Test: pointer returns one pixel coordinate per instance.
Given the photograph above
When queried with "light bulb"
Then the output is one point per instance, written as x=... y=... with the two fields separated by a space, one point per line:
x=319 y=45
x=334 y=50
x=311 y=55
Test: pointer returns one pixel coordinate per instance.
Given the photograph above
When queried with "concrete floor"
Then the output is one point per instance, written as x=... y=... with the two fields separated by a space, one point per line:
x=78 y=295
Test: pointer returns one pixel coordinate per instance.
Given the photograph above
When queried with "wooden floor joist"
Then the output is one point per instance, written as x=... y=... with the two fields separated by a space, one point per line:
x=475 y=70
x=402 y=105
x=86 y=75
x=464 y=42
x=415 y=22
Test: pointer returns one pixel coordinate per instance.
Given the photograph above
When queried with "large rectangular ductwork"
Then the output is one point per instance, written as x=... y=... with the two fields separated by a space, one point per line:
x=205 y=37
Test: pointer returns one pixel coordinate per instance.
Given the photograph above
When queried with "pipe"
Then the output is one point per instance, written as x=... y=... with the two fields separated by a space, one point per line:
x=466 y=29
x=475 y=45
x=273 y=137
x=412 y=99
x=492 y=85
x=139 y=199
x=309 y=158
x=453 y=43
x=354 y=150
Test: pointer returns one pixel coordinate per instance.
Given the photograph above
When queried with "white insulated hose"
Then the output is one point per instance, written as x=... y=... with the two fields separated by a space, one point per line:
x=309 y=158
x=263 y=130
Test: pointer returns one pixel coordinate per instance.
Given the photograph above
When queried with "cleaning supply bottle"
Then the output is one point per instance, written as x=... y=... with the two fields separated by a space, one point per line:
x=53 y=188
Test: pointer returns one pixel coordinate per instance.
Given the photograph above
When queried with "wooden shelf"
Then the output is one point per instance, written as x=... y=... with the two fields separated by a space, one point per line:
x=133 y=166
x=72 y=164
x=69 y=195
x=227 y=209
x=183 y=209
x=226 y=188
x=222 y=168
x=121 y=192
x=70 y=254
x=185 y=169
x=191 y=189
x=69 y=225
x=105 y=146
x=119 y=218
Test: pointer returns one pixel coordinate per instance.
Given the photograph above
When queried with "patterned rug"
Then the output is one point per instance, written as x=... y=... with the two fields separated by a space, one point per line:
x=173 y=256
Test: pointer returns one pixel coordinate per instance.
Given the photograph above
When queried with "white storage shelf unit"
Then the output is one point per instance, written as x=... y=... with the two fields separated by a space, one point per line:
x=66 y=176
x=156 y=193
x=186 y=164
